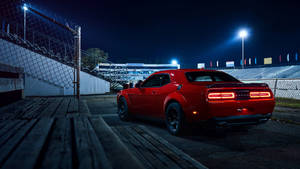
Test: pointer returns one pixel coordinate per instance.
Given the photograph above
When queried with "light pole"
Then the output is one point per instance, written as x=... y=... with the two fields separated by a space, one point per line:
x=25 y=8
x=243 y=34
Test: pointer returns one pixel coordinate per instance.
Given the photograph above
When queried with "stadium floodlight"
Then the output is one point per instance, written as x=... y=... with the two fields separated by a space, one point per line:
x=174 y=62
x=243 y=34
x=25 y=8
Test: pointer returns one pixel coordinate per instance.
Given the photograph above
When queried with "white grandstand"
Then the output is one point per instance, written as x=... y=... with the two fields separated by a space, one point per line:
x=292 y=71
x=284 y=80
x=131 y=72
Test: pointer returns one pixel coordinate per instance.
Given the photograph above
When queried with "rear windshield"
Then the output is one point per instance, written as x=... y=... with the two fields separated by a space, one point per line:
x=209 y=77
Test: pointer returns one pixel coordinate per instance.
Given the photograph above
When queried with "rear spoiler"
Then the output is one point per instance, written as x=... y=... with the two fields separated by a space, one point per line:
x=220 y=85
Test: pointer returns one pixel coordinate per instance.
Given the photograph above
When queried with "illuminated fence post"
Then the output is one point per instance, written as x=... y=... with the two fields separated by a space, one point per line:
x=78 y=59
x=275 y=87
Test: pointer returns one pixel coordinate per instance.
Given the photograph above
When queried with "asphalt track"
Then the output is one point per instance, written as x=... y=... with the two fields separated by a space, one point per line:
x=275 y=144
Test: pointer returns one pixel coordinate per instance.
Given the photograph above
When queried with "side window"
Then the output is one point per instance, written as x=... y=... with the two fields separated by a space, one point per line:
x=153 y=81
x=203 y=79
x=165 y=79
x=157 y=80
x=218 y=79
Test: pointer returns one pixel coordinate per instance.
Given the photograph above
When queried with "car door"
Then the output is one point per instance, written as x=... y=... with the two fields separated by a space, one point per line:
x=147 y=93
x=154 y=94
x=159 y=94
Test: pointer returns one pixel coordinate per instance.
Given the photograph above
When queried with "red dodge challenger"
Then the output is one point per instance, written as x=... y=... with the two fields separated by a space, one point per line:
x=186 y=96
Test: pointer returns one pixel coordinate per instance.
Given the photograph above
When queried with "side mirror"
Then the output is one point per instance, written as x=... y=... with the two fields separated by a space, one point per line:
x=138 y=84
x=125 y=86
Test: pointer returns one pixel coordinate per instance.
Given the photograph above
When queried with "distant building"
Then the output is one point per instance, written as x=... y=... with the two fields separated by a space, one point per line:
x=131 y=72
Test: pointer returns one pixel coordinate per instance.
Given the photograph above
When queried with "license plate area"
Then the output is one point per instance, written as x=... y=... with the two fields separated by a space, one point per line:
x=242 y=94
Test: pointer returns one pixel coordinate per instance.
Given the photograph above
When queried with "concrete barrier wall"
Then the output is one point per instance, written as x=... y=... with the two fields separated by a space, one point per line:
x=45 y=76
x=287 y=88
x=7 y=84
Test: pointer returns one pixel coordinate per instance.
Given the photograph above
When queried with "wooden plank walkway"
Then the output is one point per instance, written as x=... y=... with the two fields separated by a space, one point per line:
x=51 y=133
x=152 y=150
x=32 y=108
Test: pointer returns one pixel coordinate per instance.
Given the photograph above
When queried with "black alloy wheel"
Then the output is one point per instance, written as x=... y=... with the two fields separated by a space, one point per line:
x=123 y=109
x=174 y=118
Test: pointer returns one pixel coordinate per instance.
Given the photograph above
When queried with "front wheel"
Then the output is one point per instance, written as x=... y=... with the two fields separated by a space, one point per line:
x=123 y=109
x=174 y=119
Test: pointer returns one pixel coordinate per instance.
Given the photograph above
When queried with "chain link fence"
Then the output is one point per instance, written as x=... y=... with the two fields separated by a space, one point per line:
x=26 y=38
x=282 y=88
x=36 y=44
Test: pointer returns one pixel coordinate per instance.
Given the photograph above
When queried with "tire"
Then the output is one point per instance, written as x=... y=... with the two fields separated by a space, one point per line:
x=175 y=119
x=123 y=109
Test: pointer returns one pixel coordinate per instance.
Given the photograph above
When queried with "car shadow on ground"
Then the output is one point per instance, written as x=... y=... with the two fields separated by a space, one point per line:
x=231 y=139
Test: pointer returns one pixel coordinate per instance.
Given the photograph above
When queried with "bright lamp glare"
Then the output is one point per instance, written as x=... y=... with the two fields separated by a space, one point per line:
x=25 y=8
x=243 y=33
x=174 y=62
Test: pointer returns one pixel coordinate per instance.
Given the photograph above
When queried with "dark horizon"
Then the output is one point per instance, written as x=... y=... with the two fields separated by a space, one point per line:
x=191 y=32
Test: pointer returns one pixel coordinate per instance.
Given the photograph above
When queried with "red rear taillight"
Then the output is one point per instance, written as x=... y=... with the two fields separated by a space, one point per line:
x=255 y=95
x=221 y=95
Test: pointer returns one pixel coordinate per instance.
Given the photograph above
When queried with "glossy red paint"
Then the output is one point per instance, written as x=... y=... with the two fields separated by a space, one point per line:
x=228 y=101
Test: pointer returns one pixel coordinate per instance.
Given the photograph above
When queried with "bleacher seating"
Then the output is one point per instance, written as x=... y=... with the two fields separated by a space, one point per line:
x=292 y=71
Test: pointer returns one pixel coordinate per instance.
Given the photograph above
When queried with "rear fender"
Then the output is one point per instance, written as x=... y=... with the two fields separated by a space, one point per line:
x=175 y=96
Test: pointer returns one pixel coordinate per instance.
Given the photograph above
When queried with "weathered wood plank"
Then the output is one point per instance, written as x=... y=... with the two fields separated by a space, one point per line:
x=2 y=123
x=169 y=153
x=16 y=125
x=25 y=113
x=49 y=111
x=159 y=157
x=114 y=148
x=180 y=153
x=165 y=154
x=59 y=150
x=14 y=110
x=36 y=109
x=42 y=106
x=144 y=150
x=89 y=149
x=133 y=148
x=29 y=151
x=9 y=146
x=11 y=107
x=72 y=106
x=63 y=108
x=83 y=108
x=9 y=124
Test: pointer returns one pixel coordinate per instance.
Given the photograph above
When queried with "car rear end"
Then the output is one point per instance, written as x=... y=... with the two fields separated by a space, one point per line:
x=235 y=104
x=226 y=101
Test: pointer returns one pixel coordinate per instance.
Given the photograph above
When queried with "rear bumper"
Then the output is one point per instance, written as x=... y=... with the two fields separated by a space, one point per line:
x=241 y=120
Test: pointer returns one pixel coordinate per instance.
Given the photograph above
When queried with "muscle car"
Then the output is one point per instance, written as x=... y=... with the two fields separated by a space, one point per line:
x=197 y=96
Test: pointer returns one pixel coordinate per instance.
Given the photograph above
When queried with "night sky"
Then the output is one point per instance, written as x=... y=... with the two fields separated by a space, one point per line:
x=190 y=31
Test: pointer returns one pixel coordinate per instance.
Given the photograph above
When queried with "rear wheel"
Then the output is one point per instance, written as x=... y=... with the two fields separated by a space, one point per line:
x=175 y=119
x=123 y=109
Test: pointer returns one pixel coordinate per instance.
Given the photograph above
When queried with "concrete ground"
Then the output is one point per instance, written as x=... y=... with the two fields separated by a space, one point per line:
x=272 y=145
x=287 y=114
